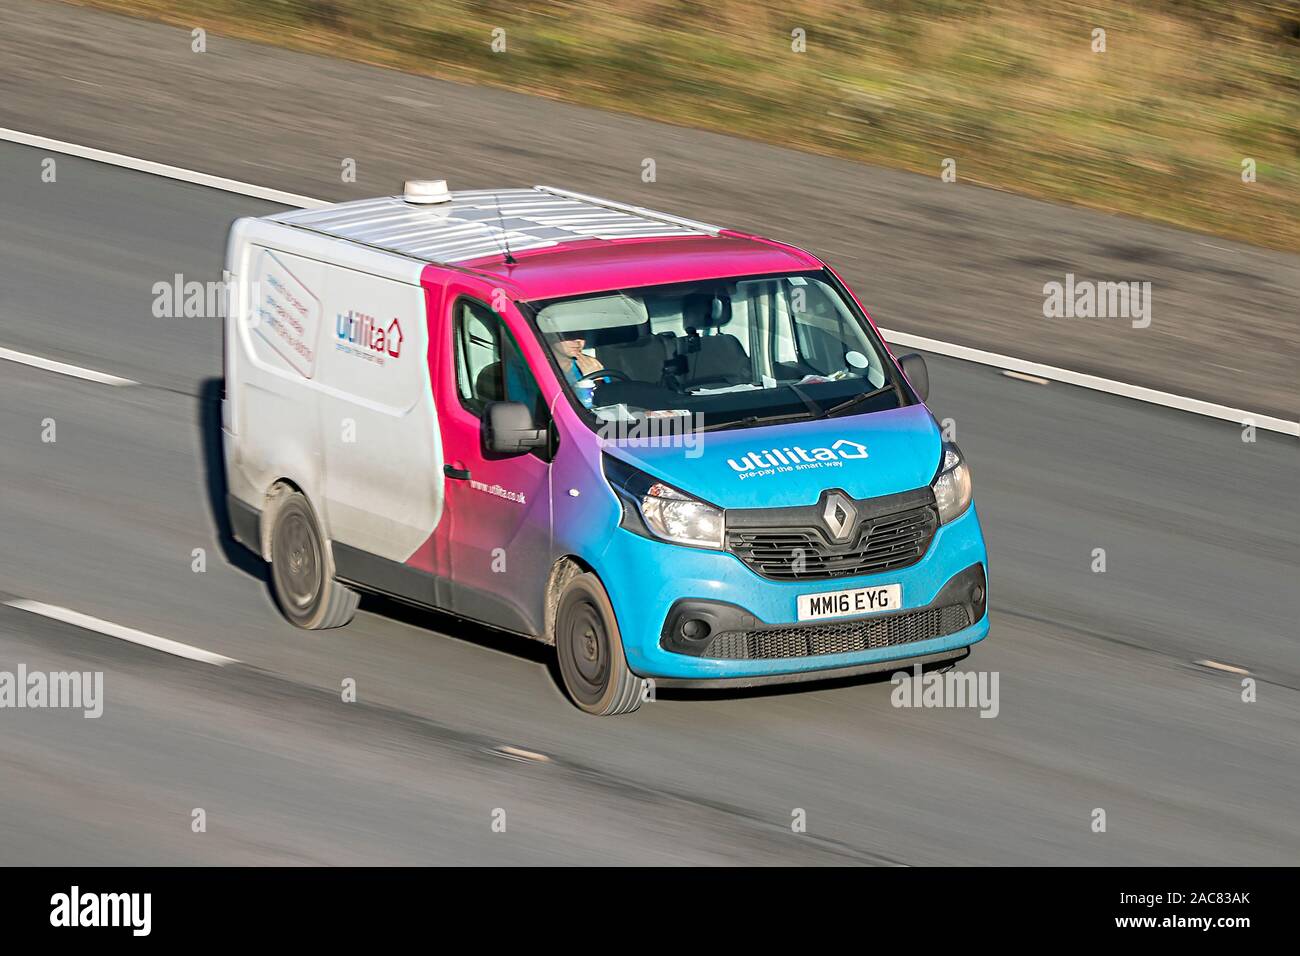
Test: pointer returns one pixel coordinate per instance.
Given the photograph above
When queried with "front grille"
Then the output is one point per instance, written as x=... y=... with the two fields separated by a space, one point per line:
x=883 y=543
x=841 y=637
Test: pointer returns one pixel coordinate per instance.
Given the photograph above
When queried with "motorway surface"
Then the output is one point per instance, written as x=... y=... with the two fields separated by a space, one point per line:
x=1101 y=706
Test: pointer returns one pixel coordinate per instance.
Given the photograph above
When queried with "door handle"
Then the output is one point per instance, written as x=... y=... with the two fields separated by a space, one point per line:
x=460 y=474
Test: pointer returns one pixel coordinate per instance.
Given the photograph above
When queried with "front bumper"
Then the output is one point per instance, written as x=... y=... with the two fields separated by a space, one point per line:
x=648 y=580
x=943 y=658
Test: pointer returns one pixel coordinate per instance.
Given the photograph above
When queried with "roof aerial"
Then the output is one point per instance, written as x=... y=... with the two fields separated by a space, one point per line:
x=430 y=224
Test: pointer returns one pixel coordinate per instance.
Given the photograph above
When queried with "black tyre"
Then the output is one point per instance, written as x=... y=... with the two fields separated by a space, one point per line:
x=590 y=650
x=302 y=571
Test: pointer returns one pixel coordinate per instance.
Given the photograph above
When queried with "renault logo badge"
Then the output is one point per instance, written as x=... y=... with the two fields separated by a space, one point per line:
x=838 y=513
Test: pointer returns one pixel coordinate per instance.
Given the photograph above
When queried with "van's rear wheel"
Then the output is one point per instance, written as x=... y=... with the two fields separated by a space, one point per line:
x=302 y=572
x=590 y=650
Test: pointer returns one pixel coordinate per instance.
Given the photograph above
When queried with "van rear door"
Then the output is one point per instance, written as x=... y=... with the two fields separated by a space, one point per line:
x=377 y=428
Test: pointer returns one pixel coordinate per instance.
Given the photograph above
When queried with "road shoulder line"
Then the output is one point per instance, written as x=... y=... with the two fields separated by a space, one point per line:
x=63 y=368
x=160 y=169
x=109 y=629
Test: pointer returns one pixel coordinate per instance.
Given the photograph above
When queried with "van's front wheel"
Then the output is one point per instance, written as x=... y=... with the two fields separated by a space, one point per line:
x=302 y=573
x=590 y=650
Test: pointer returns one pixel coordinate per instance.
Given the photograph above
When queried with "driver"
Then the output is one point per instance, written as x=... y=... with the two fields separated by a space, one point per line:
x=574 y=362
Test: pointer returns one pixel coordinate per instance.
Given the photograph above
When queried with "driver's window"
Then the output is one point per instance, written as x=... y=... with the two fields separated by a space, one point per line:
x=489 y=365
x=520 y=386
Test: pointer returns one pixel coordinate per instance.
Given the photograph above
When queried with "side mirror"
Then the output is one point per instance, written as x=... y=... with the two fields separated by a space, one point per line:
x=918 y=376
x=509 y=429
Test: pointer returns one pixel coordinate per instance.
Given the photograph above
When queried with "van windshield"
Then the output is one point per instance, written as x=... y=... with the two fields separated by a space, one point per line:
x=726 y=353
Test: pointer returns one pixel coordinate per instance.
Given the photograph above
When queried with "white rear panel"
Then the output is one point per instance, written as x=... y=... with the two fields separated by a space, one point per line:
x=327 y=384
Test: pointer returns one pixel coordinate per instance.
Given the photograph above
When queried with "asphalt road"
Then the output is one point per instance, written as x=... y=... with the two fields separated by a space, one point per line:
x=1101 y=703
x=952 y=261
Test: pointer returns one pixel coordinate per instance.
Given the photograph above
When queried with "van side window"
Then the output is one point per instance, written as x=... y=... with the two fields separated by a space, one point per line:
x=489 y=365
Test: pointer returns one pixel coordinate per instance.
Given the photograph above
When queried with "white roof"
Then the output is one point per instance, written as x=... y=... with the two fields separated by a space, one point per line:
x=482 y=222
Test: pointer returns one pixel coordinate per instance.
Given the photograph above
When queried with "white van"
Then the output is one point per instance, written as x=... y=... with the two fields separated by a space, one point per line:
x=430 y=396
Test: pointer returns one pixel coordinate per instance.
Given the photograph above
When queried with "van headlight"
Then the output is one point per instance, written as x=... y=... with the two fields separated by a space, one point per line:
x=678 y=517
x=656 y=509
x=951 y=487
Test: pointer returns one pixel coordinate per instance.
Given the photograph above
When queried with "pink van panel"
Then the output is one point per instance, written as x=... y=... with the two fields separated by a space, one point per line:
x=600 y=266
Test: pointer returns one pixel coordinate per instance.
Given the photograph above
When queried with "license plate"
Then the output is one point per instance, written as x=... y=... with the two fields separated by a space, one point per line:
x=887 y=597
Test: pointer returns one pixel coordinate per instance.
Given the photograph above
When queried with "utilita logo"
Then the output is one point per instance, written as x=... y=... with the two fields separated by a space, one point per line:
x=773 y=461
x=366 y=332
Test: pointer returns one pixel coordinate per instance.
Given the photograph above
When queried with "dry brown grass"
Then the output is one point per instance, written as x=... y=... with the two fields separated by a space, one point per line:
x=1156 y=127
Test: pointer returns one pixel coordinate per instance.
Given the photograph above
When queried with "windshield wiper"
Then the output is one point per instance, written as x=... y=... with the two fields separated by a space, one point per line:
x=814 y=413
x=814 y=409
x=757 y=420
x=858 y=400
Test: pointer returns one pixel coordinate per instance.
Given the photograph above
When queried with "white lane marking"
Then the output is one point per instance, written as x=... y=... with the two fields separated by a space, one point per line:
x=979 y=356
x=76 y=371
x=1097 y=384
x=110 y=629
x=1230 y=668
x=161 y=169
x=1021 y=376
x=518 y=753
